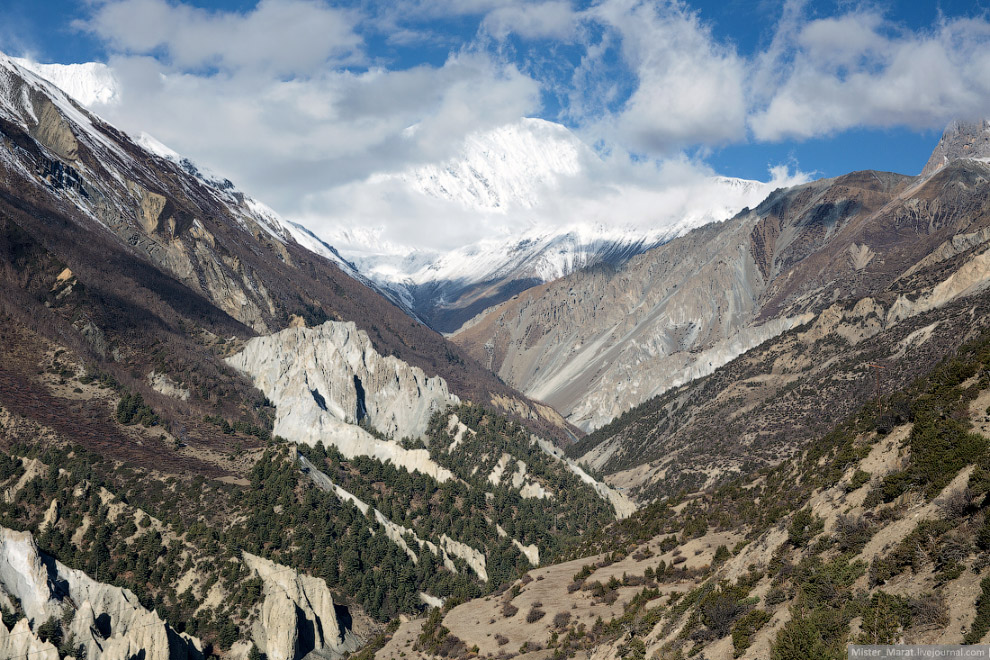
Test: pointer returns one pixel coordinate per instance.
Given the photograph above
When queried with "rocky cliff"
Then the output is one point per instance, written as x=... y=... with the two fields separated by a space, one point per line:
x=106 y=622
x=878 y=320
x=298 y=616
x=326 y=381
x=600 y=341
x=961 y=139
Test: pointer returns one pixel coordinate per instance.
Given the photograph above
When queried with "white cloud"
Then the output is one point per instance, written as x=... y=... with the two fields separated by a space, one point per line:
x=283 y=140
x=293 y=100
x=690 y=90
x=546 y=20
x=283 y=37
x=552 y=180
x=858 y=70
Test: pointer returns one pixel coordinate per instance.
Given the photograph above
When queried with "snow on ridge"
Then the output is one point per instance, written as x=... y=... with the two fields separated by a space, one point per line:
x=71 y=86
x=91 y=83
x=68 y=106
x=506 y=167
x=544 y=252
x=520 y=181
x=153 y=146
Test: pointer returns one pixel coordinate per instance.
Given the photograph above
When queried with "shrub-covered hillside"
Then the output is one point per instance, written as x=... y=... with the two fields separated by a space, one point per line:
x=878 y=532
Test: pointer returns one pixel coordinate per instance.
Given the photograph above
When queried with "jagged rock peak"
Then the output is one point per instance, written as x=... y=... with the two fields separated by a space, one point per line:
x=298 y=617
x=107 y=622
x=340 y=370
x=325 y=381
x=961 y=139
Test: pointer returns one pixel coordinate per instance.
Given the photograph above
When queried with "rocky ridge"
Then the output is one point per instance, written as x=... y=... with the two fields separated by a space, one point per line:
x=600 y=341
x=325 y=381
x=961 y=139
x=106 y=622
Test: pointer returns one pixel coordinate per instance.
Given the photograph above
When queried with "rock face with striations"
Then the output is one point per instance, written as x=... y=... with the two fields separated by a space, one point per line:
x=326 y=380
x=600 y=341
x=298 y=617
x=961 y=139
x=107 y=621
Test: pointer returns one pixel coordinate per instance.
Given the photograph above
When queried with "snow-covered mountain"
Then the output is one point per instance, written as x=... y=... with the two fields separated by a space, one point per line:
x=546 y=203
x=523 y=182
x=89 y=83
x=505 y=169
x=73 y=85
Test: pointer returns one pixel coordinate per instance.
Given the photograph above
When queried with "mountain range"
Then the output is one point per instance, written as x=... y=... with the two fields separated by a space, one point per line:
x=758 y=430
x=512 y=179
x=513 y=176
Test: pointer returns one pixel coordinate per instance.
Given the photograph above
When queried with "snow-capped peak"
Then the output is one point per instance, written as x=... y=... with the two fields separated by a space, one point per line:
x=507 y=167
x=91 y=83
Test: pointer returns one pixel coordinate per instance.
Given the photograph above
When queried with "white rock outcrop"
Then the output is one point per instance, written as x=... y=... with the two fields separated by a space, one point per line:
x=165 y=385
x=459 y=430
x=531 y=552
x=21 y=642
x=474 y=558
x=325 y=380
x=624 y=507
x=398 y=534
x=298 y=618
x=108 y=622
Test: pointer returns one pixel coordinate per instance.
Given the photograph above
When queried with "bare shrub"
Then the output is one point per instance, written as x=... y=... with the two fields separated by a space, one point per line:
x=852 y=532
x=561 y=619
x=526 y=579
x=955 y=504
x=719 y=611
x=534 y=615
x=509 y=610
x=501 y=639
x=574 y=586
x=929 y=611
x=452 y=647
x=633 y=580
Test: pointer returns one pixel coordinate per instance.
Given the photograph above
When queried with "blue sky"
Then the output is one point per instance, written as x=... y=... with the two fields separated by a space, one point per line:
x=326 y=92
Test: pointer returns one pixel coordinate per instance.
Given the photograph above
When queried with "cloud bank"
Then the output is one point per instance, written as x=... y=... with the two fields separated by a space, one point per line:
x=307 y=104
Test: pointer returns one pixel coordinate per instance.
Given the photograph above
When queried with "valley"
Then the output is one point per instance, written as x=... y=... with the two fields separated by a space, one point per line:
x=760 y=429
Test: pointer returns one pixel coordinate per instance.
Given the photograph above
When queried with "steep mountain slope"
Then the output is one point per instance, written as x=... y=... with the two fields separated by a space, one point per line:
x=164 y=242
x=164 y=341
x=875 y=533
x=600 y=341
x=512 y=180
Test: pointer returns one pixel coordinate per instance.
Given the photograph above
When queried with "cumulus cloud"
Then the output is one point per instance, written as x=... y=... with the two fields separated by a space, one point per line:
x=297 y=101
x=545 y=20
x=281 y=140
x=858 y=70
x=283 y=37
x=690 y=89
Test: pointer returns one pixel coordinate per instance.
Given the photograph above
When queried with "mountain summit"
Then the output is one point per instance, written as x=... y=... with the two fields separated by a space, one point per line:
x=961 y=139
x=527 y=184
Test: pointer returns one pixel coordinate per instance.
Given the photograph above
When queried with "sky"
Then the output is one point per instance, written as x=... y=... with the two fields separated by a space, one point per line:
x=302 y=102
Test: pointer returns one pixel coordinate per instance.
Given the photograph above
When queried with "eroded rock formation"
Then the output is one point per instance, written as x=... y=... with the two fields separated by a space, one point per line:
x=298 y=617
x=107 y=622
x=325 y=381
